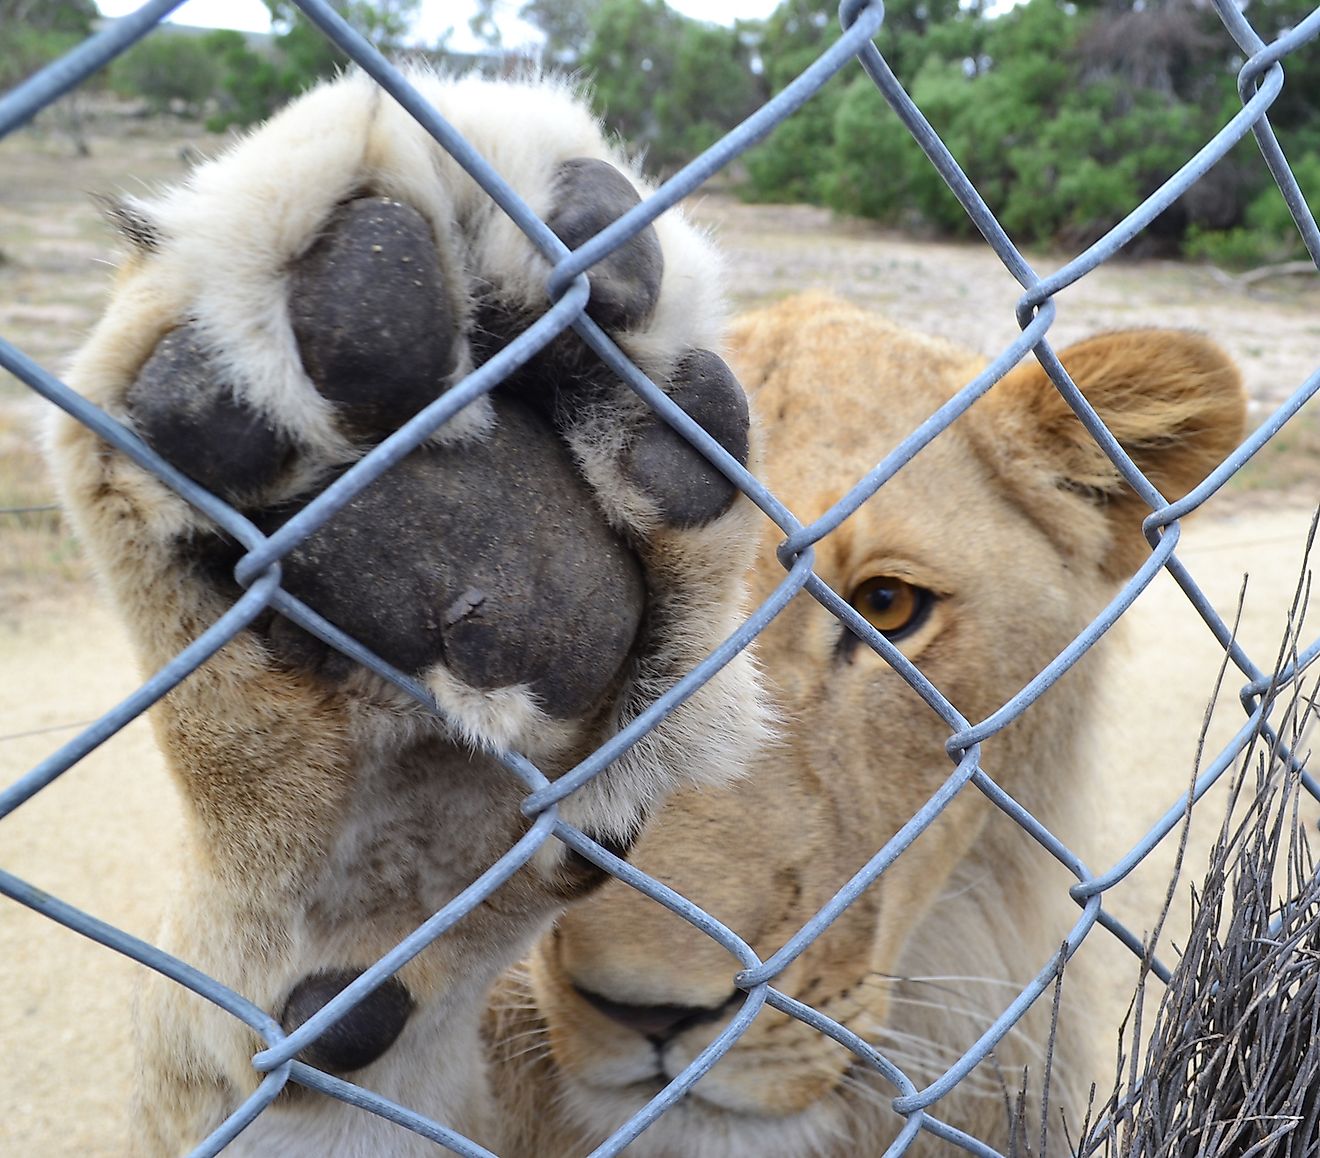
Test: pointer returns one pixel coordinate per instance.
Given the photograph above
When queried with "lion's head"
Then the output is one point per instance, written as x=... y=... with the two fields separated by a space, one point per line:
x=981 y=559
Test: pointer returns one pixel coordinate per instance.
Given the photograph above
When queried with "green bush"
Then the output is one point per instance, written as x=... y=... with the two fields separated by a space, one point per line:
x=1238 y=248
x=249 y=85
x=37 y=31
x=1062 y=126
x=670 y=85
x=1268 y=212
x=171 y=70
x=1269 y=234
x=877 y=170
x=794 y=163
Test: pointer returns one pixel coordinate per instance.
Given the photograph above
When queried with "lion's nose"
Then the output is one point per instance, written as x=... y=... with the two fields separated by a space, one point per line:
x=659 y=1023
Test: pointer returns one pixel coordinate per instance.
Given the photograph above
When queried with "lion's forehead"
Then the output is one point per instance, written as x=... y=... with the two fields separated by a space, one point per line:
x=837 y=390
x=817 y=361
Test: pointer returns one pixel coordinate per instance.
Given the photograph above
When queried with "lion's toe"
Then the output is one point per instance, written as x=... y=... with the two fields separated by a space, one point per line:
x=688 y=490
x=625 y=286
x=184 y=405
x=375 y=329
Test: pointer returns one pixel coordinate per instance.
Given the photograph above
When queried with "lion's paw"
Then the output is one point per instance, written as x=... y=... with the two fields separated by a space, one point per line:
x=551 y=552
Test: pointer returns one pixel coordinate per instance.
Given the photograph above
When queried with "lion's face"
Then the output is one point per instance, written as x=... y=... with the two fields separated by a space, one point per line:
x=981 y=560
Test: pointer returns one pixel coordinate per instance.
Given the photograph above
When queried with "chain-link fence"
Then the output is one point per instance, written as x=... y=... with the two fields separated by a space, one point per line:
x=1261 y=81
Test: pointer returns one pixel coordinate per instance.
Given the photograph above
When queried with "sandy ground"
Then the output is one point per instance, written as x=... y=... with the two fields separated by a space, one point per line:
x=105 y=836
x=101 y=838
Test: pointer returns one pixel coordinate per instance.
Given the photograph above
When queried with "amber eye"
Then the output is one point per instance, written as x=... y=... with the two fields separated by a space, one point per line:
x=894 y=607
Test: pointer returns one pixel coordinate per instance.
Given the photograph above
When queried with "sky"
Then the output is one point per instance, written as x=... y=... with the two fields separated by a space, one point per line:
x=436 y=16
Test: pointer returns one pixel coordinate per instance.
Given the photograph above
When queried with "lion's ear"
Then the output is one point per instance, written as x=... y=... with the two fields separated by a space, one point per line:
x=1174 y=402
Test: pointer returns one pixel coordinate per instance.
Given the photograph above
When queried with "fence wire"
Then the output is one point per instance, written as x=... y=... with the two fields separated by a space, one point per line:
x=1260 y=82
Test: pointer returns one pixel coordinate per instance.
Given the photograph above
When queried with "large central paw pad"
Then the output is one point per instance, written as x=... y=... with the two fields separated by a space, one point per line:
x=490 y=558
x=515 y=549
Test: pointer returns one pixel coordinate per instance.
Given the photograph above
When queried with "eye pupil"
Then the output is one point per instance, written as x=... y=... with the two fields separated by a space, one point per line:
x=882 y=599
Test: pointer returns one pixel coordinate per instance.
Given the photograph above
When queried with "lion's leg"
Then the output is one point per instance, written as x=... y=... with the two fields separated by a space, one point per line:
x=544 y=564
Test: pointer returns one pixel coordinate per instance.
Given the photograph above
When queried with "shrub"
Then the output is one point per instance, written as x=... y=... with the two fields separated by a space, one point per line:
x=172 y=70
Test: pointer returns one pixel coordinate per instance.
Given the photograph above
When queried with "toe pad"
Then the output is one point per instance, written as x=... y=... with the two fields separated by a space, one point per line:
x=185 y=410
x=689 y=490
x=625 y=286
x=374 y=325
x=362 y=1035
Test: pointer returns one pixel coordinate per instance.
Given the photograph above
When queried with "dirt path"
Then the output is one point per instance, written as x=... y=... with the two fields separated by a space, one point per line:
x=105 y=837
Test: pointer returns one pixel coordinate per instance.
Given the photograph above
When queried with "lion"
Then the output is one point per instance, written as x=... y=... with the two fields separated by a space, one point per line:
x=980 y=560
x=537 y=566
x=538 y=563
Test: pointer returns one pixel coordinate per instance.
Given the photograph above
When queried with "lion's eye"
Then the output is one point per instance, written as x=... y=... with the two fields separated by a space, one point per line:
x=892 y=606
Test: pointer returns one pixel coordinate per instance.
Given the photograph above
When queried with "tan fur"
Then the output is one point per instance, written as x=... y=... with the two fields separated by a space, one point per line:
x=1013 y=519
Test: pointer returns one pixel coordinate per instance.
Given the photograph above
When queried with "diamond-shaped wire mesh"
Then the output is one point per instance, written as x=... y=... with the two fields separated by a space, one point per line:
x=1261 y=80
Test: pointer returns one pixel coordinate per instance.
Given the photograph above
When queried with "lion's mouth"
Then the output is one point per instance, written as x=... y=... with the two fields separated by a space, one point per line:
x=659 y=1050
x=709 y=1097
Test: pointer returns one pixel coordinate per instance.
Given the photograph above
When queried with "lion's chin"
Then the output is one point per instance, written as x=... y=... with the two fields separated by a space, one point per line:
x=710 y=1121
x=710 y=1102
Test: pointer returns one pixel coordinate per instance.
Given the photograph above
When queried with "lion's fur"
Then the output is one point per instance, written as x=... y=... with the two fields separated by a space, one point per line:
x=1023 y=530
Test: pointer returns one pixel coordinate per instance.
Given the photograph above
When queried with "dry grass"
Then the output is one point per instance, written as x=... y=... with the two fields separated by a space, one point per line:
x=1232 y=1063
x=55 y=269
x=1290 y=461
x=55 y=252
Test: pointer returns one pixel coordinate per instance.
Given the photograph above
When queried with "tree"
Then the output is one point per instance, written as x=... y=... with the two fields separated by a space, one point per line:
x=248 y=88
x=711 y=89
x=670 y=85
x=878 y=170
x=483 y=25
x=793 y=162
x=630 y=60
x=37 y=31
x=566 y=25
x=248 y=85
x=67 y=16
x=308 y=56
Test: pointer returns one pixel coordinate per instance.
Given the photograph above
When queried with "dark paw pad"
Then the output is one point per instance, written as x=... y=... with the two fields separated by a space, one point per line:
x=185 y=410
x=689 y=490
x=492 y=558
x=362 y=1035
x=625 y=286
x=374 y=325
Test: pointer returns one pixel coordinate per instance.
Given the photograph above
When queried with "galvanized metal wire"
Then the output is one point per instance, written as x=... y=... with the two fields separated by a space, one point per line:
x=1261 y=81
